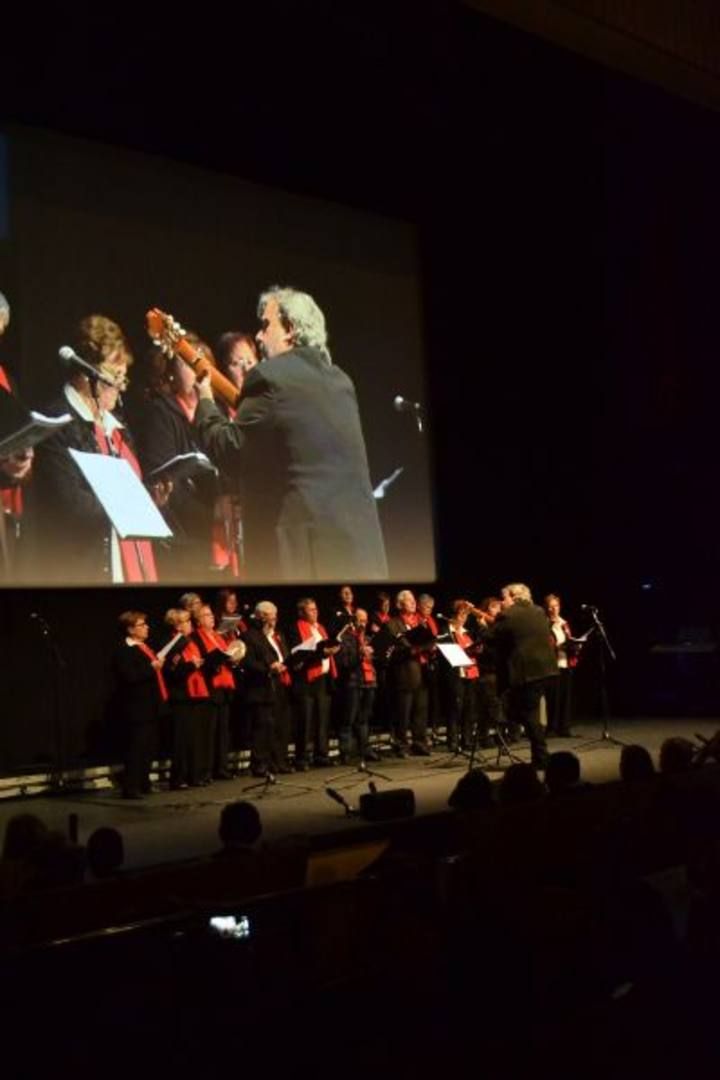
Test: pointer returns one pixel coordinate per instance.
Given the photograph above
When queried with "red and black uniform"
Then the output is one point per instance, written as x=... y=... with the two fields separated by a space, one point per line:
x=313 y=676
x=559 y=692
x=407 y=689
x=221 y=683
x=142 y=694
x=355 y=690
x=464 y=686
x=73 y=537
x=11 y=500
x=267 y=698
x=191 y=710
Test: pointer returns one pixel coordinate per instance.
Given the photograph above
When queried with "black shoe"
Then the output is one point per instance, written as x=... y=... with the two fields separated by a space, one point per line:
x=179 y=787
x=132 y=795
x=223 y=776
x=400 y=751
x=371 y=755
x=322 y=762
x=566 y=734
x=301 y=766
x=283 y=770
x=418 y=750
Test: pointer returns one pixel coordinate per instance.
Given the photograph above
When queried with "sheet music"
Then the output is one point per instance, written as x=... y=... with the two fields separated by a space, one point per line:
x=122 y=496
x=162 y=653
x=455 y=655
x=309 y=645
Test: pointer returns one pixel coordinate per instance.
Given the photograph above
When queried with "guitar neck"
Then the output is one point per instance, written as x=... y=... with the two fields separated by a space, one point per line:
x=222 y=386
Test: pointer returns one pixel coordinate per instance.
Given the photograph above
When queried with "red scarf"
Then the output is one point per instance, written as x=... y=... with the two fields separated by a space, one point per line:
x=223 y=678
x=366 y=664
x=196 y=685
x=314 y=671
x=464 y=640
x=151 y=656
x=10 y=497
x=285 y=679
x=137 y=555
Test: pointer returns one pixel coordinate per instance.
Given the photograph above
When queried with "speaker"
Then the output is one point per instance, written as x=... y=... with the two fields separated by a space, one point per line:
x=387 y=805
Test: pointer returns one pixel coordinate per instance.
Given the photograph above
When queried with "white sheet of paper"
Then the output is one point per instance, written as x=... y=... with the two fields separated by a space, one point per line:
x=122 y=496
x=455 y=655
x=309 y=645
x=162 y=653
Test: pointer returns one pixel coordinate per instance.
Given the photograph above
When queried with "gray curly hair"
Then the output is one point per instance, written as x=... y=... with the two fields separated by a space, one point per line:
x=299 y=313
x=4 y=308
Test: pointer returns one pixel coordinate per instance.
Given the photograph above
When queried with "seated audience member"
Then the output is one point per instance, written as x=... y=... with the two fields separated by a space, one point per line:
x=562 y=774
x=636 y=763
x=676 y=755
x=520 y=784
x=105 y=852
x=240 y=828
x=35 y=858
x=473 y=791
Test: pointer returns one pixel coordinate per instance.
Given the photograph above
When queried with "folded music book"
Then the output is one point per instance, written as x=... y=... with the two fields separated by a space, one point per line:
x=455 y=655
x=21 y=430
x=182 y=467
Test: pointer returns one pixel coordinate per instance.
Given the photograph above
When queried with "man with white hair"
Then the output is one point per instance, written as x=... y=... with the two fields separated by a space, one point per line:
x=527 y=662
x=297 y=447
x=266 y=683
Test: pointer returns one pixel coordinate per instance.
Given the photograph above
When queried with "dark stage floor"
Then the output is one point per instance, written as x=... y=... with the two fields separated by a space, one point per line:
x=169 y=826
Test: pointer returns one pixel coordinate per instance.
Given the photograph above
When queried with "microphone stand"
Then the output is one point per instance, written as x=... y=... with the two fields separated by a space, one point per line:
x=58 y=783
x=606 y=649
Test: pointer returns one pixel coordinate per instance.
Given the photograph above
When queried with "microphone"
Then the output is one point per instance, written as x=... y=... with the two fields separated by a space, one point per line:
x=340 y=799
x=71 y=360
x=588 y=607
x=402 y=404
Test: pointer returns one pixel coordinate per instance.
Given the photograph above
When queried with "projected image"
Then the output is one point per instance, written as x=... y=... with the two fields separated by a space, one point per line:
x=202 y=380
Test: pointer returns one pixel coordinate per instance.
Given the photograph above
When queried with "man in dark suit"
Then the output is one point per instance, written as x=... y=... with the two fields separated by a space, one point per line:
x=267 y=683
x=526 y=662
x=297 y=445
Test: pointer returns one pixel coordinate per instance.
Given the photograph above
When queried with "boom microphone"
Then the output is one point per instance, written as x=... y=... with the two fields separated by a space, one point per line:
x=340 y=799
x=71 y=359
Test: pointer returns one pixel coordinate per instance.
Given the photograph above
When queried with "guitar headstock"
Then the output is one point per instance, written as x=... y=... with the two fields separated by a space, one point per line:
x=165 y=331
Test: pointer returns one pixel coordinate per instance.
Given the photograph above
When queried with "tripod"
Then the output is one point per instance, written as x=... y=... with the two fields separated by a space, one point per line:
x=606 y=739
x=359 y=772
x=58 y=663
x=270 y=782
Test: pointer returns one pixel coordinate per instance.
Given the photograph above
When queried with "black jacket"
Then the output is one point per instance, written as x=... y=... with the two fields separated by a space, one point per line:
x=524 y=644
x=297 y=445
x=261 y=683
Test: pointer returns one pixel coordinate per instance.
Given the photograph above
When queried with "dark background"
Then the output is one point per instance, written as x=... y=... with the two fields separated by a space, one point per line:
x=568 y=220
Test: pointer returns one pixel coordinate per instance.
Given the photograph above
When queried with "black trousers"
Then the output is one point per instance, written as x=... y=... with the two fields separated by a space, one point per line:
x=139 y=752
x=191 y=720
x=269 y=734
x=219 y=737
x=355 y=705
x=524 y=703
x=558 y=696
x=312 y=718
x=410 y=710
x=463 y=713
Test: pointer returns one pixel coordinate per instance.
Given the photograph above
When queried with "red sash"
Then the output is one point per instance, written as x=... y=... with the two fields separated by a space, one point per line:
x=285 y=679
x=315 y=671
x=465 y=642
x=10 y=497
x=151 y=655
x=366 y=664
x=223 y=678
x=196 y=685
x=137 y=555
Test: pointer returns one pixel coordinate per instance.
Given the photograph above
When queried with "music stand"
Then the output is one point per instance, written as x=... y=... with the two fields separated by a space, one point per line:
x=605 y=647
